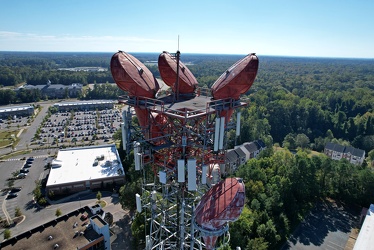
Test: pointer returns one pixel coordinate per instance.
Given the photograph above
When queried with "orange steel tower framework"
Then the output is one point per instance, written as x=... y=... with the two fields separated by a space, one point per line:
x=180 y=146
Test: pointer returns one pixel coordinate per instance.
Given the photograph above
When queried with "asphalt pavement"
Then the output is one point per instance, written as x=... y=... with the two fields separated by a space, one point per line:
x=327 y=226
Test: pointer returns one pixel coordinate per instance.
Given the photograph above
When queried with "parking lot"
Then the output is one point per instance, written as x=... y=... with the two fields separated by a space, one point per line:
x=327 y=226
x=45 y=134
x=24 y=198
x=67 y=129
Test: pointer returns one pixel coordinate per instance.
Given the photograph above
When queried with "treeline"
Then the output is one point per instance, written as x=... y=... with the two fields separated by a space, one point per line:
x=317 y=99
x=39 y=67
x=282 y=187
x=99 y=91
x=321 y=99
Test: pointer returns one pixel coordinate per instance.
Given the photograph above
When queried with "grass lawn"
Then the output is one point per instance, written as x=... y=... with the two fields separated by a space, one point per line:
x=102 y=203
x=310 y=154
x=6 y=137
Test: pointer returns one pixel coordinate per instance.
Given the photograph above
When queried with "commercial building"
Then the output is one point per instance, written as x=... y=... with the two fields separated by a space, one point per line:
x=56 y=90
x=81 y=229
x=85 y=105
x=24 y=110
x=365 y=239
x=78 y=169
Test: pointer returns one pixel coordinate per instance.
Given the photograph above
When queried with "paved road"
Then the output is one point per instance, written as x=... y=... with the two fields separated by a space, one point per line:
x=29 y=132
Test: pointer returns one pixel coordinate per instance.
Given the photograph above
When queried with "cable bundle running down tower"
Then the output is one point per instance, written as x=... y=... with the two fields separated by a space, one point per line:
x=180 y=146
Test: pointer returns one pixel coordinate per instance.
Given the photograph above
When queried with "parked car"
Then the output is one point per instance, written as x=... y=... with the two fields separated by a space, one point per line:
x=24 y=170
x=22 y=175
x=15 y=190
x=11 y=195
x=30 y=159
x=27 y=165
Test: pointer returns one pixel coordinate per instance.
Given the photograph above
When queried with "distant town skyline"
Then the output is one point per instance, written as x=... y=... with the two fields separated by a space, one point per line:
x=280 y=28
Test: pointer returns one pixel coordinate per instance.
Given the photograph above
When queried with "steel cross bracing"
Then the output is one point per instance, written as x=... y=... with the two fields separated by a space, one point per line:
x=187 y=132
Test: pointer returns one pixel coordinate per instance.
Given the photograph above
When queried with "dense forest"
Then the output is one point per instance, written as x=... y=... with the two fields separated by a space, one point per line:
x=299 y=104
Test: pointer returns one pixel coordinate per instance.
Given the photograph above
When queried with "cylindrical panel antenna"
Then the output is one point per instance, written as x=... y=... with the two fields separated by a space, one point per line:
x=216 y=134
x=181 y=174
x=138 y=203
x=154 y=195
x=238 y=123
x=124 y=114
x=138 y=161
x=162 y=175
x=124 y=136
x=136 y=147
x=191 y=167
x=221 y=132
x=203 y=174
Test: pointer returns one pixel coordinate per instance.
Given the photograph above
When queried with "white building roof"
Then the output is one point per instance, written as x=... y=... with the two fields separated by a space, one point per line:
x=365 y=239
x=88 y=102
x=77 y=164
x=15 y=108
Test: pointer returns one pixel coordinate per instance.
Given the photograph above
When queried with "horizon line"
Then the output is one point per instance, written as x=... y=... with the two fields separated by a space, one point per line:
x=193 y=53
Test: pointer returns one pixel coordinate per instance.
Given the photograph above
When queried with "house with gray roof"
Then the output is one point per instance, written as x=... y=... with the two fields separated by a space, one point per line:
x=242 y=153
x=231 y=161
x=336 y=152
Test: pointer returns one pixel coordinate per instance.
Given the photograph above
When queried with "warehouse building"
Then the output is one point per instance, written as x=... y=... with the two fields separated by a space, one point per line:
x=25 y=110
x=78 y=169
x=85 y=105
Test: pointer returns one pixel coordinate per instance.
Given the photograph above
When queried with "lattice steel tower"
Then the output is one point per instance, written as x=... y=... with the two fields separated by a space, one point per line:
x=179 y=146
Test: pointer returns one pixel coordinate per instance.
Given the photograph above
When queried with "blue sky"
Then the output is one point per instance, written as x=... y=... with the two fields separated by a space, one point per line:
x=318 y=28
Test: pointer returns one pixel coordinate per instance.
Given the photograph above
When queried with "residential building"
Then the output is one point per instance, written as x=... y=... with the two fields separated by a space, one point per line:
x=337 y=152
x=241 y=154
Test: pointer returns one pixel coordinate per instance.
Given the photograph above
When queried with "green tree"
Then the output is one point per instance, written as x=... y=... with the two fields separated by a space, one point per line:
x=289 y=141
x=244 y=225
x=98 y=196
x=17 y=212
x=302 y=141
x=7 y=234
x=257 y=244
x=127 y=194
x=58 y=212
x=10 y=183
x=37 y=192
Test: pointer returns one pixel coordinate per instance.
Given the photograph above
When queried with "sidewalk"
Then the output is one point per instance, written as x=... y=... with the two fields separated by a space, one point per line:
x=67 y=197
